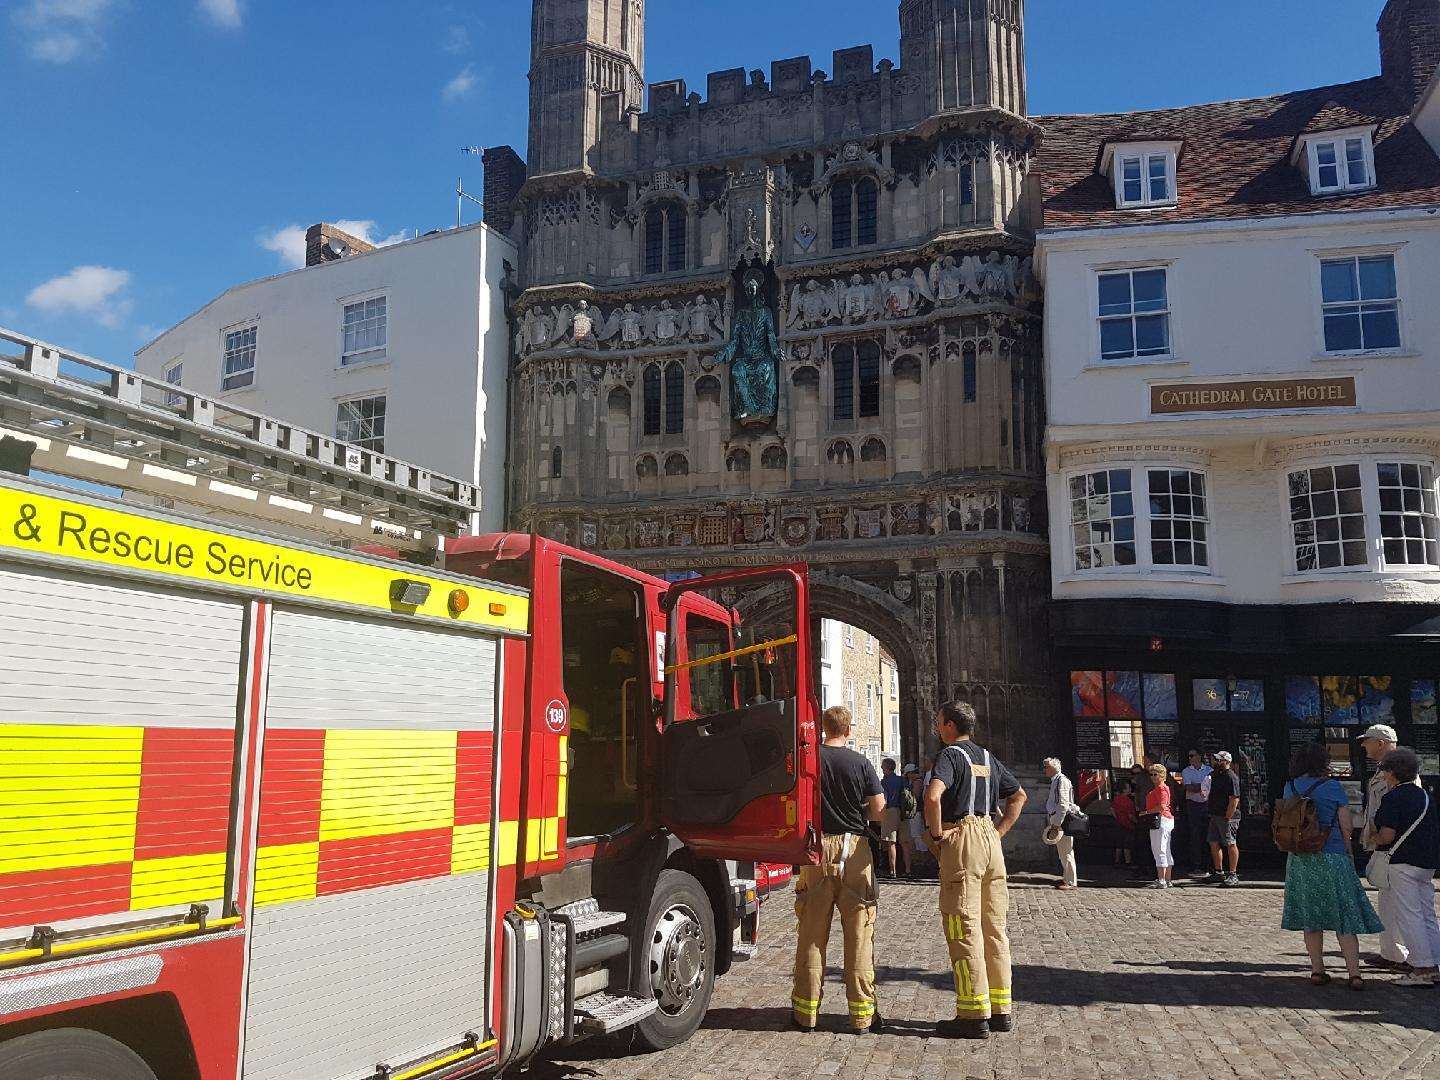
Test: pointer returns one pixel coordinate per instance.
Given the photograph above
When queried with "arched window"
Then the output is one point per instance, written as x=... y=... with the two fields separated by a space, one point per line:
x=646 y=468
x=557 y=461
x=650 y=390
x=773 y=458
x=738 y=461
x=872 y=450
x=674 y=398
x=971 y=375
x=676 y=465
x=840 y=452
x=665 y=238
x=857 y=379
x=664 y=394
x=854 y=206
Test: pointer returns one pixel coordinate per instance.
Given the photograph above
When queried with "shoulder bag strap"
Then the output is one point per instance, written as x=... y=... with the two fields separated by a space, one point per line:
x=1413 y=825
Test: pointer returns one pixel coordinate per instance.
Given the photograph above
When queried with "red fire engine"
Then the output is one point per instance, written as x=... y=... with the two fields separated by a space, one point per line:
x=272 y=810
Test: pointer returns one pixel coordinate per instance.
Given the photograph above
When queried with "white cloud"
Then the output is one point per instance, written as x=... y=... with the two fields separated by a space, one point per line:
x=95 y=291
x=288 y=241
x=460 y=85
x=226 y=13
x=457 y=40
x=60 y=31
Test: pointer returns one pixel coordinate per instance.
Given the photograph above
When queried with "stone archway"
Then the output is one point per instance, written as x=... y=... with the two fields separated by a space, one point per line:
x=878 y=613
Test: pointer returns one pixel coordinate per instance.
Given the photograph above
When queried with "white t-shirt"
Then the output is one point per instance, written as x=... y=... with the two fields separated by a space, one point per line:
x=1192 y=775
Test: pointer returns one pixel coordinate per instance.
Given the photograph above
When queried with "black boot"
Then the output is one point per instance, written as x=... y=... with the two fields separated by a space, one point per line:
x=960 y=1028
x=1002 y=1022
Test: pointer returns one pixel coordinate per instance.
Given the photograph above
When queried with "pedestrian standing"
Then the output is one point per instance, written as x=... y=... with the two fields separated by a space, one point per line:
x=1162 y=826
x=1142 y=857
x=1196 y=820
x=1407 y=826
x=968 y=787
x=1126 y=818
x=1322 y=890
x=1059 y=805
x=1379 y=740
x=892 y=784
x=912 y=829
x=850 y=796
x=1223 y=808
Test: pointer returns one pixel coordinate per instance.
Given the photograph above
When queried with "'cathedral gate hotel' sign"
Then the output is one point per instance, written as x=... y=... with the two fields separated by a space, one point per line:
x=1332 y=393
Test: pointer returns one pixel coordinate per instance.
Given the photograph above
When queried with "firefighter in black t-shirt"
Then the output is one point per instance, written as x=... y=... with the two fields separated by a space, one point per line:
x=967 y=788
x=850 y=796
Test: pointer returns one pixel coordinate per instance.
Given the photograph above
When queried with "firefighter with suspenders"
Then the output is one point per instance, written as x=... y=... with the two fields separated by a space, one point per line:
x=968 y=786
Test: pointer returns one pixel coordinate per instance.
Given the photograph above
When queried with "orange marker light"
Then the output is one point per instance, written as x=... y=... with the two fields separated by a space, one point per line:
x=459 y=601
x=497 y=609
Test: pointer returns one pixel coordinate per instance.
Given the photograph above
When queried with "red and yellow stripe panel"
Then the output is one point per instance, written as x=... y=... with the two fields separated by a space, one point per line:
x=343 y=810
x=101 y=820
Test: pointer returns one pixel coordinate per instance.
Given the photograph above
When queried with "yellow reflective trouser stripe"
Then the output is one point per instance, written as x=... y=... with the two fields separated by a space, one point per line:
x=1000 y=997
x=810 y=1008
x=964 y=985
x=862 y=1008
x=954 y=928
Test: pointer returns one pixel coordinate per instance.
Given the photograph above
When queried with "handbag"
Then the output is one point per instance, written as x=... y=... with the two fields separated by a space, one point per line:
x=1377 y=870
x=1076 y=823
x=1150 y=820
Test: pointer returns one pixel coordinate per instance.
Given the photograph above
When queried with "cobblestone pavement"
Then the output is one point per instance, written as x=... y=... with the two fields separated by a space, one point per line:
x=1109 y=981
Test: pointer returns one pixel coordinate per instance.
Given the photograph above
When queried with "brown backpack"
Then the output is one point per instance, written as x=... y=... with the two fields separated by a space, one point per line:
x=1296 y=825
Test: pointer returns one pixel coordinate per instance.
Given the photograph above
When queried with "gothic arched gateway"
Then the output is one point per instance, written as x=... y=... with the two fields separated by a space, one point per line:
x=797 y=320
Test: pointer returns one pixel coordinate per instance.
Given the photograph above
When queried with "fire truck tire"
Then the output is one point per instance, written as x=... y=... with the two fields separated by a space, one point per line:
x=677 y=955
x=70 y=1054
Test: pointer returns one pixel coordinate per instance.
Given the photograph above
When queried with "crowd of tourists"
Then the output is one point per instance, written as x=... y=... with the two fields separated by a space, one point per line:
x=1397 y=843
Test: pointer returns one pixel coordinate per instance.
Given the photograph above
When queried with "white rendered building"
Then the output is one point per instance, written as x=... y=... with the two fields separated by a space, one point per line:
x=401 y=350
x=1243 y=394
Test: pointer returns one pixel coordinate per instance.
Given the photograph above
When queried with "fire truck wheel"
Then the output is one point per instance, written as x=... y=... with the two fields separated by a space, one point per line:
x=70 y=1054
x=679 y=957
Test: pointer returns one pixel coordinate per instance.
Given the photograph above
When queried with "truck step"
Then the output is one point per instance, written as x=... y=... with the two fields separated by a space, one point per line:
x=589 y=918
x=744 y=950
x=604 y=1014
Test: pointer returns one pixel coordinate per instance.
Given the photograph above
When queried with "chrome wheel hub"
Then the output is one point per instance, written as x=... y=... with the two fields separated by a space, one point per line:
x=677 y=959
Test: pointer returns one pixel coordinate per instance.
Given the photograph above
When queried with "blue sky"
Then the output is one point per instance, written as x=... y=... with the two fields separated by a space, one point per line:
x=158 y=151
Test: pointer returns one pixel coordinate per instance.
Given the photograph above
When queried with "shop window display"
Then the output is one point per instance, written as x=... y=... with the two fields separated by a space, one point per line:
x=1120 y=717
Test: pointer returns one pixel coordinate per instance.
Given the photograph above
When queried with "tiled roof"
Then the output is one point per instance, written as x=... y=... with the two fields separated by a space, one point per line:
x=1236 y=160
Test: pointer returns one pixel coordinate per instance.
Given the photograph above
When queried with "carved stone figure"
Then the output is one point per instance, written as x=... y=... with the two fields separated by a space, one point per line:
x=947 y=281
x=903 y=292
x=537 y=329
x=702 y=319
x=858 y=300
x=810 y=305
x=582 y=325
x=993 y=278
x=667 y=322
x=753 y=353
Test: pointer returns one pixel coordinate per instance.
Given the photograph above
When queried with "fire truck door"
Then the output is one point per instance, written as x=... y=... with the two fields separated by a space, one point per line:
x=738 y=745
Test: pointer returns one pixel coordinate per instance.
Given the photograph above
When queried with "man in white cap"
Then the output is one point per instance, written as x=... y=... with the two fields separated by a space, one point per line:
x=1379 y=740
x=1223 y=806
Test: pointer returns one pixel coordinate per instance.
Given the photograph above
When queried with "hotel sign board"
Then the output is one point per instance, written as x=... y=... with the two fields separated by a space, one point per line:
x=1168 y=399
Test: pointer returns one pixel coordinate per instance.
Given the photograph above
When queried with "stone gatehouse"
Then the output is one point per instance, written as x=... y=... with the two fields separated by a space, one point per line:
x=875 y=410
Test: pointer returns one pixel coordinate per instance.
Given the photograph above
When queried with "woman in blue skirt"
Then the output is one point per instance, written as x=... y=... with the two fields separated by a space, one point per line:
x=1322 y=891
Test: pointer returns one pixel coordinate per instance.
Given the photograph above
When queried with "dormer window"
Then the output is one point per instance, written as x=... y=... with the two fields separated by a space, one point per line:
x=1143 y=173
x=1338 y=161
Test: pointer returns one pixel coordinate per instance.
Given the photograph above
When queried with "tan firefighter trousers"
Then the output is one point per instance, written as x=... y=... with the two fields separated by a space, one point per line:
x=974 y=902
x=845 y=880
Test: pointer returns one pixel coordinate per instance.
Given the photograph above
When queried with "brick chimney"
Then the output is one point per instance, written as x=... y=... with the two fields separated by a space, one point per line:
x=1409 y=45
x=325 y=243
x=504 y=177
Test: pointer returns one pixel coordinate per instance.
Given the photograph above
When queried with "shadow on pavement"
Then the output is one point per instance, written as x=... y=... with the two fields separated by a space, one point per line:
x=773 y=1019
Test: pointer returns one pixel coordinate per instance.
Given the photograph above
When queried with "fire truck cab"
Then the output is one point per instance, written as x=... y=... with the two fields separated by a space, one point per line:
x=271 y=809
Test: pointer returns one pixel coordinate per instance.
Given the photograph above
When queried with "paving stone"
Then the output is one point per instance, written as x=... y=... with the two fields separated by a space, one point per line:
x=1107 y=982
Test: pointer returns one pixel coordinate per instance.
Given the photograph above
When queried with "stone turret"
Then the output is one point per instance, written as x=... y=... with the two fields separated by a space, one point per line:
x=587 y=60
x=971 y=52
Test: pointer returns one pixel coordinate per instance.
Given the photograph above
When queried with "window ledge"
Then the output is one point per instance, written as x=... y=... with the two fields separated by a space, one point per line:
x=1140 y=207
x=1136 y=362
x=1427 y=576
x=1367 y=354
x=1167 y=577
x=364 y=363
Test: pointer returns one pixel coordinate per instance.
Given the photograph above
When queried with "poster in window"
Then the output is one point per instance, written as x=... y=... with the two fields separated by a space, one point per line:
x=1426 y=744
x=1302 y=699
x=1087 y=693
x=1377 y=703
x=1209 y=695
x=1162 y=742
x=1340 y=744
x=1250 y=758
x=1341 y=695
x=1122 y=694
x=1092 y=744
x=1301 y=737
x=1248 y=696
x=1160 y=703
x=1127 y=743
x=1091 y=785
x=1422 y=703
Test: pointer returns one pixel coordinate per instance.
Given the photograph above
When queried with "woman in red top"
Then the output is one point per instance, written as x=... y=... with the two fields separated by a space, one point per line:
x=1162 y=825
x=1126 y=816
